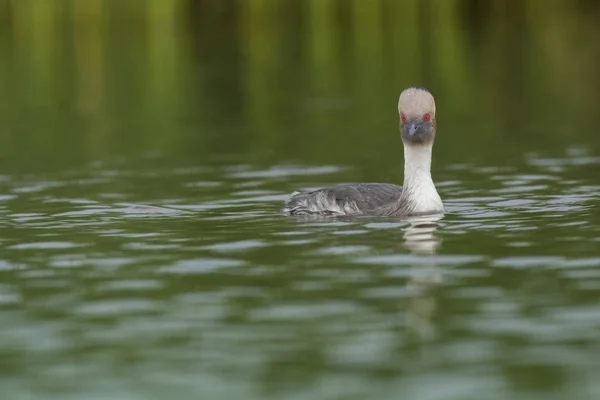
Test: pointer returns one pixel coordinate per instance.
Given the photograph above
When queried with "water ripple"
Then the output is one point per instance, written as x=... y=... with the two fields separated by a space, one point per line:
x=201 y=265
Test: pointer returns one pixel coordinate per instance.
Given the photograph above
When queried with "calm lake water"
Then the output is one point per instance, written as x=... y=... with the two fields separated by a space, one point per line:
x=145 y=154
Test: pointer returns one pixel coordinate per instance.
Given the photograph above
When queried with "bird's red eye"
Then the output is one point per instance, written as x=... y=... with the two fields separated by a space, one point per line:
x=403 y=117
x=426 y=117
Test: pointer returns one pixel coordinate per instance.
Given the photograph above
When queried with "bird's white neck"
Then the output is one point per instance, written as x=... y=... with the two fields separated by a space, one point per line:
x=418 y=191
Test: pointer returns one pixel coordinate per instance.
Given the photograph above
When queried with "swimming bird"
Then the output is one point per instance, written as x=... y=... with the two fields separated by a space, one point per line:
x=417 y=196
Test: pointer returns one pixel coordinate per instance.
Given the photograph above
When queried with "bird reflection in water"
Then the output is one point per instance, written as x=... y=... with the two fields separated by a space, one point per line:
x=421 y=240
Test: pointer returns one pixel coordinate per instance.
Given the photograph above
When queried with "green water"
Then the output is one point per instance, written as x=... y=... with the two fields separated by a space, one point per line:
x=144 y=159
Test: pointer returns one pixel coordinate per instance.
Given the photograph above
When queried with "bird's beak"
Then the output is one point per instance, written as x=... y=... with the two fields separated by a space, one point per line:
x=414 y=128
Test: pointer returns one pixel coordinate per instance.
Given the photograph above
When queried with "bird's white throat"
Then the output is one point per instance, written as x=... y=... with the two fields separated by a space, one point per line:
x=418 y=190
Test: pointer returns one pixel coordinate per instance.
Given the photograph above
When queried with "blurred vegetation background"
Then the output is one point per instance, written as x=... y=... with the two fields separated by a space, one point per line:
x=270 y=81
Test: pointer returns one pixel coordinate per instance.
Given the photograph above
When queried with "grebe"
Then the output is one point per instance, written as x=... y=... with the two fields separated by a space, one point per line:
x=418 y=195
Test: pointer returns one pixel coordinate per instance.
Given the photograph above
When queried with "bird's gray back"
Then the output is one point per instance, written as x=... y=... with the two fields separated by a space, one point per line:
x=350 y=199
